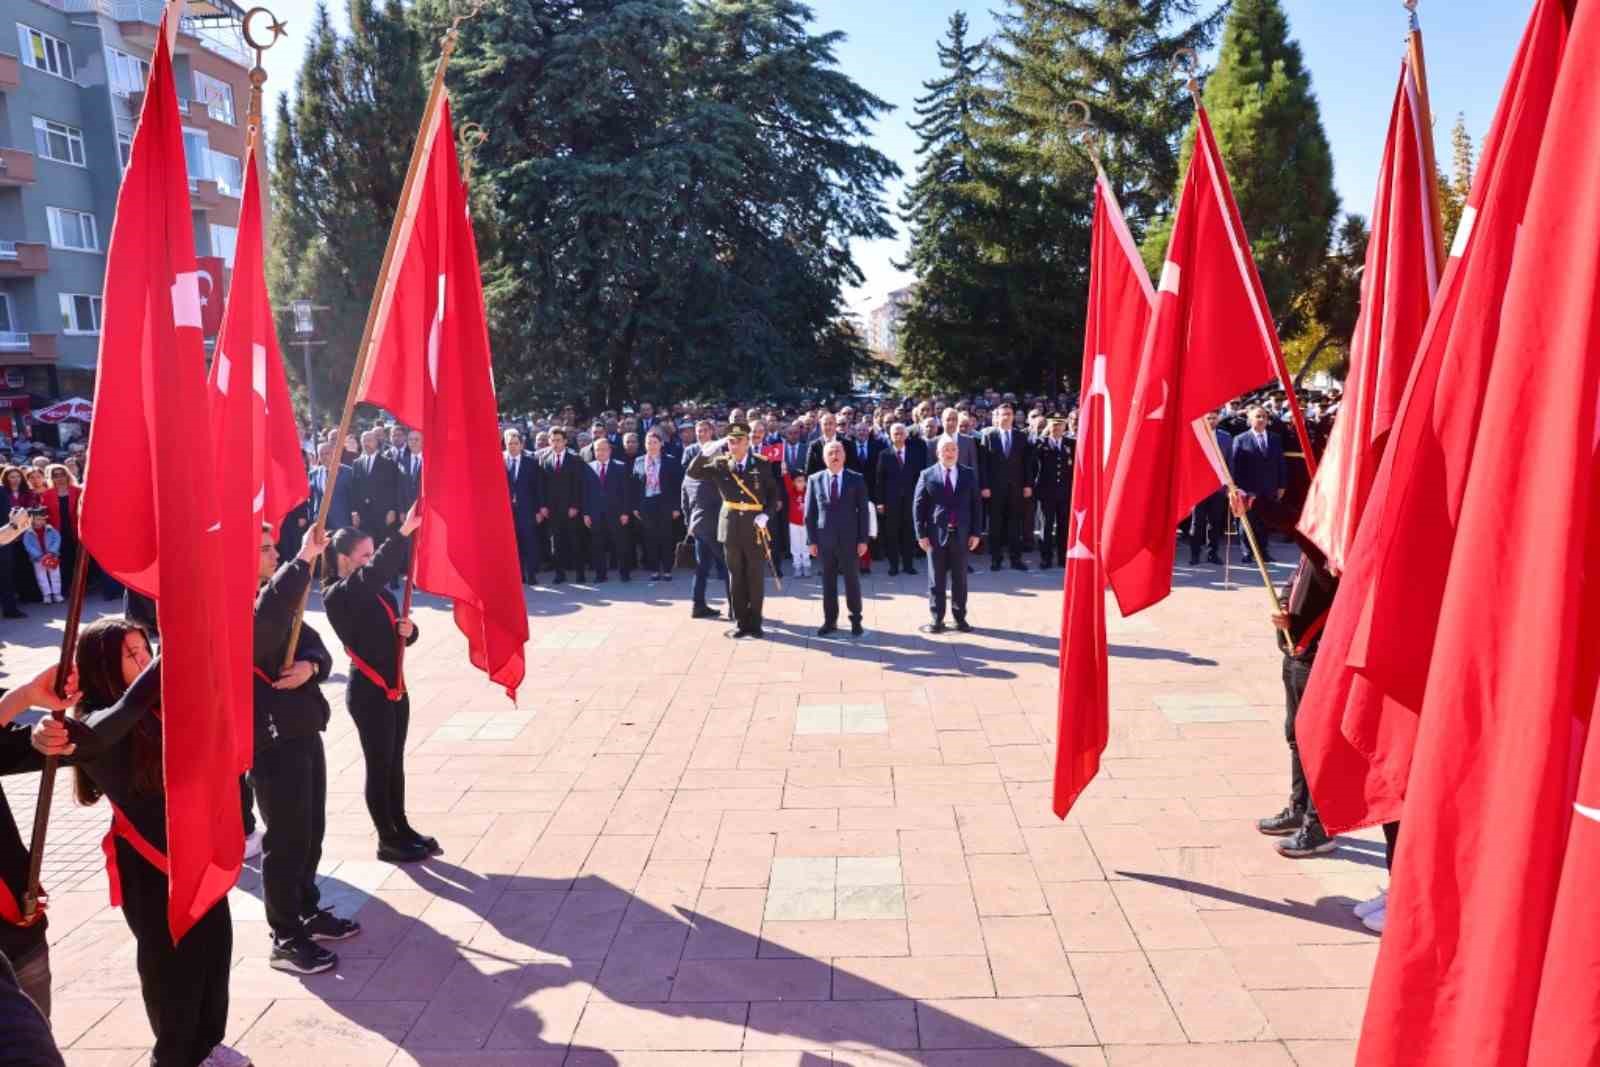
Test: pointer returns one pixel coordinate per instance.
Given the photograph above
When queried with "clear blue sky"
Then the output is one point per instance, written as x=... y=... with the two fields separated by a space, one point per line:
x=1352 y=47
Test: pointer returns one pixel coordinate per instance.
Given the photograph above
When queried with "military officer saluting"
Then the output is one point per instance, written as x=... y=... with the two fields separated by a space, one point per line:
x=750 y=497
x=1052 y=488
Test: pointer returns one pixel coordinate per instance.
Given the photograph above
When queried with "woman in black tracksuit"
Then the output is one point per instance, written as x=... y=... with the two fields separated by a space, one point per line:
x=290 y=772
x=366 y=618
x=117 y=734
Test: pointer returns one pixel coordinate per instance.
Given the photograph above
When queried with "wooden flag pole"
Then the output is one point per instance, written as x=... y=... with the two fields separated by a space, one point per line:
x=1208 y=441
x=1419 y=70
x=435 y=92
x=34 y=896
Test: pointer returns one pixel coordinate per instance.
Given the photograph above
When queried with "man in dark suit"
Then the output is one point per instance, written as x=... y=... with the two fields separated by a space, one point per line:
x=702 y=508
x=836 y=527
x=609 y=513
x=1260 y=472
x=522 y=478
x=1008 y=483
x=947 y=510
x=341 y=512
x=796 y=449
x=658 y=479
x=561 y=487
x=409 y=462
x=861 y=454
x=1053 y=454
x=829 y=434
x=1208 y=523
x=375 y=490
x=898 y=469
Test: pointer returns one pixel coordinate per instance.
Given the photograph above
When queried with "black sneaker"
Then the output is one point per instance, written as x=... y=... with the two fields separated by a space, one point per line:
x=301 y=955
x=1282 y=824
x=1310 y=840
x=324 y=925
x=856 y=629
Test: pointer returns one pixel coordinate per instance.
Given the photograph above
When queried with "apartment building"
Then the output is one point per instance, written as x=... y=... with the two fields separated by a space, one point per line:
x=883 y=324
x=72 y=77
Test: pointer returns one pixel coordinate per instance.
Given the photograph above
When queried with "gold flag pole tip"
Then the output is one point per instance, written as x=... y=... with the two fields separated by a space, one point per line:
x=1186 y=61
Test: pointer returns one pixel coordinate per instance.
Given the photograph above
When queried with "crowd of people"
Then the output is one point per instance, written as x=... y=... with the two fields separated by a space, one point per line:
x=731 y=491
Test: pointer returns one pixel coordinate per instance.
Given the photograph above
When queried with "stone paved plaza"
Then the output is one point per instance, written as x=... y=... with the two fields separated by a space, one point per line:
x=682 y=851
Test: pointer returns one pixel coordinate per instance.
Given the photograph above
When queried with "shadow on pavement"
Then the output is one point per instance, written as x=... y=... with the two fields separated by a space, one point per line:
x=1329 y=911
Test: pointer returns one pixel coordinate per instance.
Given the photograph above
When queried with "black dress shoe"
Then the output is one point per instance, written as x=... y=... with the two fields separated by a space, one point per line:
x=756 y=635
x=16 y=614
x=932 y=628
x=705 y=613
x=996 y=565
x=1018 y=565
x=893 y=572
x=1212 y=557
x=558 y=579
x=911 y=570
x=735 y=634
x=1194 y=560
x=401 y=852
x=856 y=629
x=964 y=626
x=826 y=628
x=429 y=843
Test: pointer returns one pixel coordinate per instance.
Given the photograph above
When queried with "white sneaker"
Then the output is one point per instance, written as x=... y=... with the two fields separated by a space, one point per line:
x=1374 y=920
x=252 y=848
x=1377 y=903
x=224 y=1056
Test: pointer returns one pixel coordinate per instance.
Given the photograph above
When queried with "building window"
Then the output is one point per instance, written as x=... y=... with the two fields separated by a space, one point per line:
x=197 y=154
x=228 y=172
x=72 y=230
x=223 y=240
x=7 y=319
x=80 y=313
x=217 y=95
x=44 y=52
x=57 y=141
x=127 y=74
x=124 y=148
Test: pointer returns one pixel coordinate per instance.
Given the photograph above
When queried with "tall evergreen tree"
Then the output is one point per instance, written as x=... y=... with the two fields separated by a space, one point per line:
x=1457 y=186
x=1269 y=130
x=339 y=159
x=671 y=192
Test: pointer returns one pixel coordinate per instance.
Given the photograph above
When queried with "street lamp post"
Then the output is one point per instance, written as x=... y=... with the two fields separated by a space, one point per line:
x=304 y=328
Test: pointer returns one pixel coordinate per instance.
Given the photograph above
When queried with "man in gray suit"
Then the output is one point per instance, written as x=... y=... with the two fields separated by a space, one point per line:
x=836 y=527
x=702 y=506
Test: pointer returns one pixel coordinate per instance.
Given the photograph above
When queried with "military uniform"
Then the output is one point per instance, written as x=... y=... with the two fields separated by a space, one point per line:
x=748 y=490
x=1053 y=491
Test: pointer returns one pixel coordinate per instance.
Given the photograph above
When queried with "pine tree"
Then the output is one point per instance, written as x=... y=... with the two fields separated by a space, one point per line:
x=1454 y=189
x=339 y=159
x=1269 y=130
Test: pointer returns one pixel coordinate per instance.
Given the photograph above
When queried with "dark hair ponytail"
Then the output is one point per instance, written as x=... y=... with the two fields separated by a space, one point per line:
x=342 y=543
x=99 y=660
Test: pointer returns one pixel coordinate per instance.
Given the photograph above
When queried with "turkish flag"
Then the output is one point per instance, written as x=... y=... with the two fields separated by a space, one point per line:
x=1120 y=297
x=252 y=424
x=1358 y=718
x=429 y=365
x=213 y=293
x=153 y=523
x=1210 y=339
x=1489 y=952
x=1397 y=287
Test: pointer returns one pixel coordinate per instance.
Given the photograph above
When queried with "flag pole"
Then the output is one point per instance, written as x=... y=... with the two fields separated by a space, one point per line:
x=1187 y=61
x=1208 y=441
x=435 y=92
x=34 y=896
x=1419 y=70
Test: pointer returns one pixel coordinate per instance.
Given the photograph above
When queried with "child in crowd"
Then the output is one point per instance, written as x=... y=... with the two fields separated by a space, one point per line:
x=796 y=484
x=42 y=542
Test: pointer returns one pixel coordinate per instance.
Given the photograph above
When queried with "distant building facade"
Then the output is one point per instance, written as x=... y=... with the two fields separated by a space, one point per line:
x=70 y=95
x=883 y=324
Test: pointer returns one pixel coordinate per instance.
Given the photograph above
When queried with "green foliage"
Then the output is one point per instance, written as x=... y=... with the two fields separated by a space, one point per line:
x=1455 y=188
x=339 y=159
x=669 y=192
x=1001 y=210
x=1327 y=307
x=1269 y=130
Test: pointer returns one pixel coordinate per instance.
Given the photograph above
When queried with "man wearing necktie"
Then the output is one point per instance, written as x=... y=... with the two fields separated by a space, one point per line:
x=561 y=476
x=375 y=489
x=1010 y=463
x=750 y=497
x=1053 y=490
x=522 y=480
x=836 y=528
x=609 y=512
x=1260 y=472
x=948 y=511
x=896 y=478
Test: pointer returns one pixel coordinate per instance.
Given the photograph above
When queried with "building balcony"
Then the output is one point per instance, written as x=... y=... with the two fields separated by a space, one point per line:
x=10 y=73
x=204 y=194
x=16 y=167
x=23 y=259
x=21 y=349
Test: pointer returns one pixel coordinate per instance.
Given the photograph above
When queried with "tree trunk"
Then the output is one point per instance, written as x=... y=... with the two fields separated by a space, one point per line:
x=1311 y=360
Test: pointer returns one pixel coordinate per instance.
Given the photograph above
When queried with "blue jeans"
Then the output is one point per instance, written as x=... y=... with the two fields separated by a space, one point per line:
x=708 y=551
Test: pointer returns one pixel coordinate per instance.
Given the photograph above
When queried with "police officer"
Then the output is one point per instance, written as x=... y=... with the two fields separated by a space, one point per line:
x=751 y=496
x=1052 y=488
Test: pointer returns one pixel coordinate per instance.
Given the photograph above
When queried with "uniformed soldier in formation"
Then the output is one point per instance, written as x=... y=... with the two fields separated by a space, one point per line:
x=751 y=496
x=1053 y=455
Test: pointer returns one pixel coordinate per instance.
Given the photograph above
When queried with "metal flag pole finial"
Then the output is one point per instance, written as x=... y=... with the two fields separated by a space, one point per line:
x=1079 y=120
x=258 y=74
x=472 y=136
x=1186 y=61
